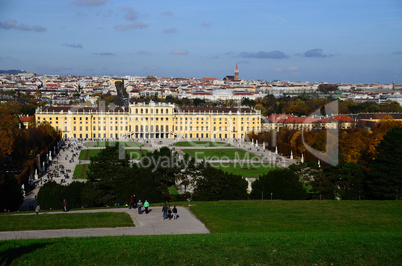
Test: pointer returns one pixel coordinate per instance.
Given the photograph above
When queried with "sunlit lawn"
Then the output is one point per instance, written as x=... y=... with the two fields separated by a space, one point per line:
x=112 y=143
x=201 y=144
x=80 y=171
x=245 y=169
x=134 y=154
x=221 y=154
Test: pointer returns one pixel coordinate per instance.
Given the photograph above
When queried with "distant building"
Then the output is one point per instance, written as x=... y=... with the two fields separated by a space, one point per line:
x=25 y=119
x=236 y=73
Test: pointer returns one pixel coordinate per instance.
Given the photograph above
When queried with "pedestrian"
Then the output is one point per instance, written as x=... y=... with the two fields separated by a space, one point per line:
x=139 y=205
x=146 y=205
x=135 y=201
x=37 y=209
x=64 y=205
x=174 y=213
x=169 y=213
x=131 y=202
x=164 y=210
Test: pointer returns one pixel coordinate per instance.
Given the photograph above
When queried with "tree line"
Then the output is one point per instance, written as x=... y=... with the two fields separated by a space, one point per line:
x=18 y=150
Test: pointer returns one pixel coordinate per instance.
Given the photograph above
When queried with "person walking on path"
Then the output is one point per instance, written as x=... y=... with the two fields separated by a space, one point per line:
x=174 y=213
x=146 y=205
x=131 y=202
x=139 y=205
x=169 y=212
x=64 y=205
x=164 y=210
x=37 y=209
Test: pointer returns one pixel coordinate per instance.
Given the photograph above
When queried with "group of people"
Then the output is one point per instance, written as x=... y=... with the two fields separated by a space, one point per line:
x=139 y=205
x=168 y=213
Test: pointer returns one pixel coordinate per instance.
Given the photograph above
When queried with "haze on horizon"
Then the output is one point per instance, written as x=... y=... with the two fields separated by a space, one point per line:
x=350 y=41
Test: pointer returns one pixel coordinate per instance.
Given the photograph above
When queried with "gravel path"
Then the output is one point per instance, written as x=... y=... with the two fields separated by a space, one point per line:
x=145 y=224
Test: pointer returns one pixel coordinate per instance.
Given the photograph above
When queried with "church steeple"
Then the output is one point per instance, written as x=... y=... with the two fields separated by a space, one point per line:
x=236 y=73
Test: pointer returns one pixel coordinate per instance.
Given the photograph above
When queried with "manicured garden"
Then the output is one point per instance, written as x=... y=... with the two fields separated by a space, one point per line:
x=133 y=154
x=112 y=143
x=80 y=171
x=245 y=169
x=221 y=154
x=201 y=144
x=246 y=232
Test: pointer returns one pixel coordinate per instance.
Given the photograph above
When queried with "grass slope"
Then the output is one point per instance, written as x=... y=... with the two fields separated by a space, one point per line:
x=214 y=249
x=300 y=216
x=250 y=232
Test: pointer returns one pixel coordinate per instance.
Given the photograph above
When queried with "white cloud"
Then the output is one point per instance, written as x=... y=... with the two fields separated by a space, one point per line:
x=171 y=30
x=12 y=24
x=134 y=25
x=130 y=13
x=179 y=52
x=167 y=13
x=89 y=2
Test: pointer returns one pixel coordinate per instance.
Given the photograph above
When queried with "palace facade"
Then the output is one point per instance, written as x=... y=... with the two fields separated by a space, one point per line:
x=153 y=120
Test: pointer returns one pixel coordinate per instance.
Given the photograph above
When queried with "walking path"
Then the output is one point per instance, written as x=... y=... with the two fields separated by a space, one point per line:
x=145 y=224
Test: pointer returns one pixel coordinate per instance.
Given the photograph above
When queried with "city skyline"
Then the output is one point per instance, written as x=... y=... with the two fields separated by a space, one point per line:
x=334 y=41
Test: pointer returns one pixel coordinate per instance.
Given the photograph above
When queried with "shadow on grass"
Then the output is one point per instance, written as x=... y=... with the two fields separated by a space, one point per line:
x=9 y=255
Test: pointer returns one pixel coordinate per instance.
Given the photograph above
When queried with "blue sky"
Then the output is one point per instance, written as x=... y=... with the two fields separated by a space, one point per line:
x=311 y=40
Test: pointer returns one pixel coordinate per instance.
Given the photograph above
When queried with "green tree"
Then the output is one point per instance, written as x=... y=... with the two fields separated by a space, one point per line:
x=51 y=196
x=214 y=184
x=347 y=179
x=107 y=164
x=385 y=178
x=282 y=183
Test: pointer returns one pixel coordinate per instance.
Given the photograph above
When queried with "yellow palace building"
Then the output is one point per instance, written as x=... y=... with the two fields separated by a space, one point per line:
x=149 y=121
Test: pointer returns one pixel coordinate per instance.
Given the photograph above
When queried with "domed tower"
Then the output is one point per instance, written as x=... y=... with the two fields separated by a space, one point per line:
x=236 y=74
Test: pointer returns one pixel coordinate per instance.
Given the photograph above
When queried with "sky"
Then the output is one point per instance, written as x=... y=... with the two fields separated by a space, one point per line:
x=349 y=41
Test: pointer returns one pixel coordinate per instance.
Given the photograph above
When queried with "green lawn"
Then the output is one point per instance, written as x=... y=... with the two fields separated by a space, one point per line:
x=134 y=154
x=112 y=143
x=80 y=171
x=64 y=220
x=279 y=248
x=242 y=232
x=221 y=154
x=300 y=216
x=87 y=154
x=201 y=143
x=253 y=170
